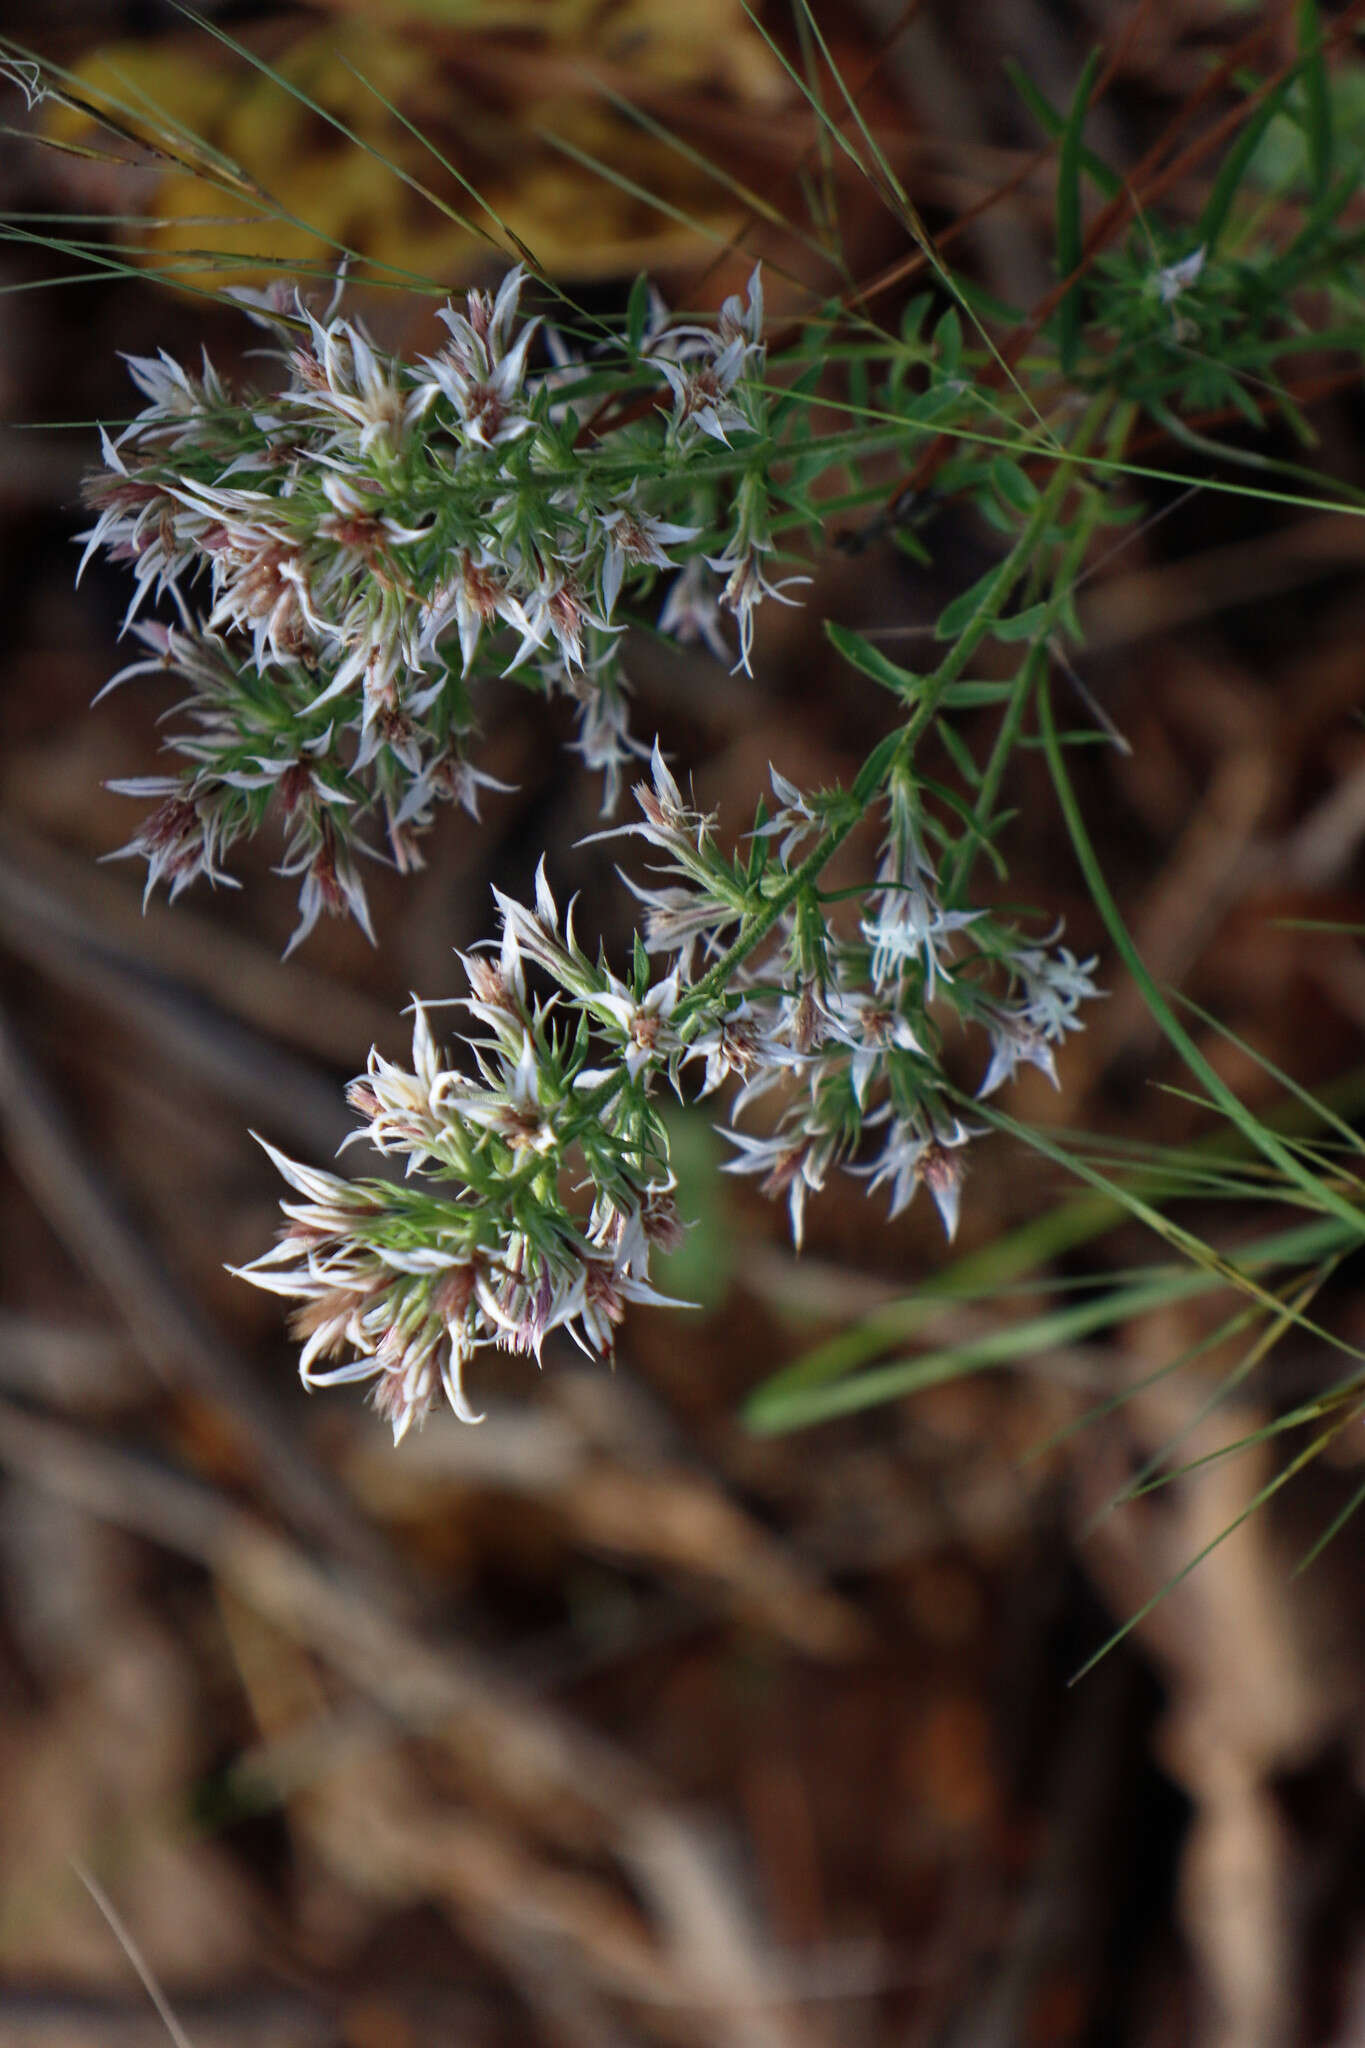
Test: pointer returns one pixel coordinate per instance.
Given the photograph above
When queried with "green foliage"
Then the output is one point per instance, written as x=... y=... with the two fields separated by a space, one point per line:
x=726 y=445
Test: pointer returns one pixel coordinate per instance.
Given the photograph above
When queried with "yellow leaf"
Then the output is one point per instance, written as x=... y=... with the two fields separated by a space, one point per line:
x=246 y=178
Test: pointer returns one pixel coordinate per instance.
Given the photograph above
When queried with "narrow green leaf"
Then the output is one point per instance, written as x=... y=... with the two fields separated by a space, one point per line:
x=801 y=1396
x=984 y=305
x=910 y=544
x=958 y=752
x=1317 y=98
x=1053 y=124
x=1028 y=624
x=962 y=611
x=1237 y=162
x=876 y=768
x=971 y=696
x=637 y=313
x=1295 y=264
x=948 y=343
x=913 y=317
x=1334 y=1527
x=871 y=662
x=797 y=392
x=1069 y=236
x=1014 y=484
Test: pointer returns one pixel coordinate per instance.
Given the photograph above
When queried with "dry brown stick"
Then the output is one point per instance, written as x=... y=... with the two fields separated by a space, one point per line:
x=74 y=1364
x=83 y=904
x=1151 y=601
x=288 y=1096
x=1204 y=875
x=626 y=1486
x=574 y=1788
x=175 y=1340
x=377 y=1826
x=267 y=2019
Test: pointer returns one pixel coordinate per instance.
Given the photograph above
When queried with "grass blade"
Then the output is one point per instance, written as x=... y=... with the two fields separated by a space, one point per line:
x=1070 y=242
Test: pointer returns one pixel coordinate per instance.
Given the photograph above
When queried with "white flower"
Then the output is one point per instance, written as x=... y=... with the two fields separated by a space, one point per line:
x=477 y=593
x=412 y=1341
x=792 y=1163
x=743 y=1042
x=870 y=1027
x=510 y=1106
x=1176 y=278
x=556 y=607
x=668 y=823
x=347 y=381
x=911 y=1155
x=746 y=585
x=447 y=778
x=536 y=936
x=404 y=1109
x=1055 y=985
x=478 y=372
x=647 y=1036
x=1015 y=1043
x=700 y=399
x=692 y=610
x=741 y=326
x=700 y=387
x=907 y=924
x=675 y=919
x=635 y=537
x=331 y=881
x=597 y=1303
x=604 y=741
x=181 y=839
x=178 y=400
x=794 y=820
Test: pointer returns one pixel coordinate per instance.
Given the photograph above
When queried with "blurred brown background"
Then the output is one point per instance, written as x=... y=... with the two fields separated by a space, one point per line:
x=610 y=1723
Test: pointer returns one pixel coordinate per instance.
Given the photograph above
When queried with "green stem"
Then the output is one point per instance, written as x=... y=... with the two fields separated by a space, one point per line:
x=883 y=762
x=959 y=874
x=1015 y=565
x=1034 y=665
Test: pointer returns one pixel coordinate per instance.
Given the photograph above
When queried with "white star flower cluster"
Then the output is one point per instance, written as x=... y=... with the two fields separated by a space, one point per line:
x=537 y=1184
x=343 y=563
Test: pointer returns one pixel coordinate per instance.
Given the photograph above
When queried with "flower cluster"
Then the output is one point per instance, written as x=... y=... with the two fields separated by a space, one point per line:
x=486 y=1241
x=847 y=1028
x=537 y=1185
x=347 y=557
